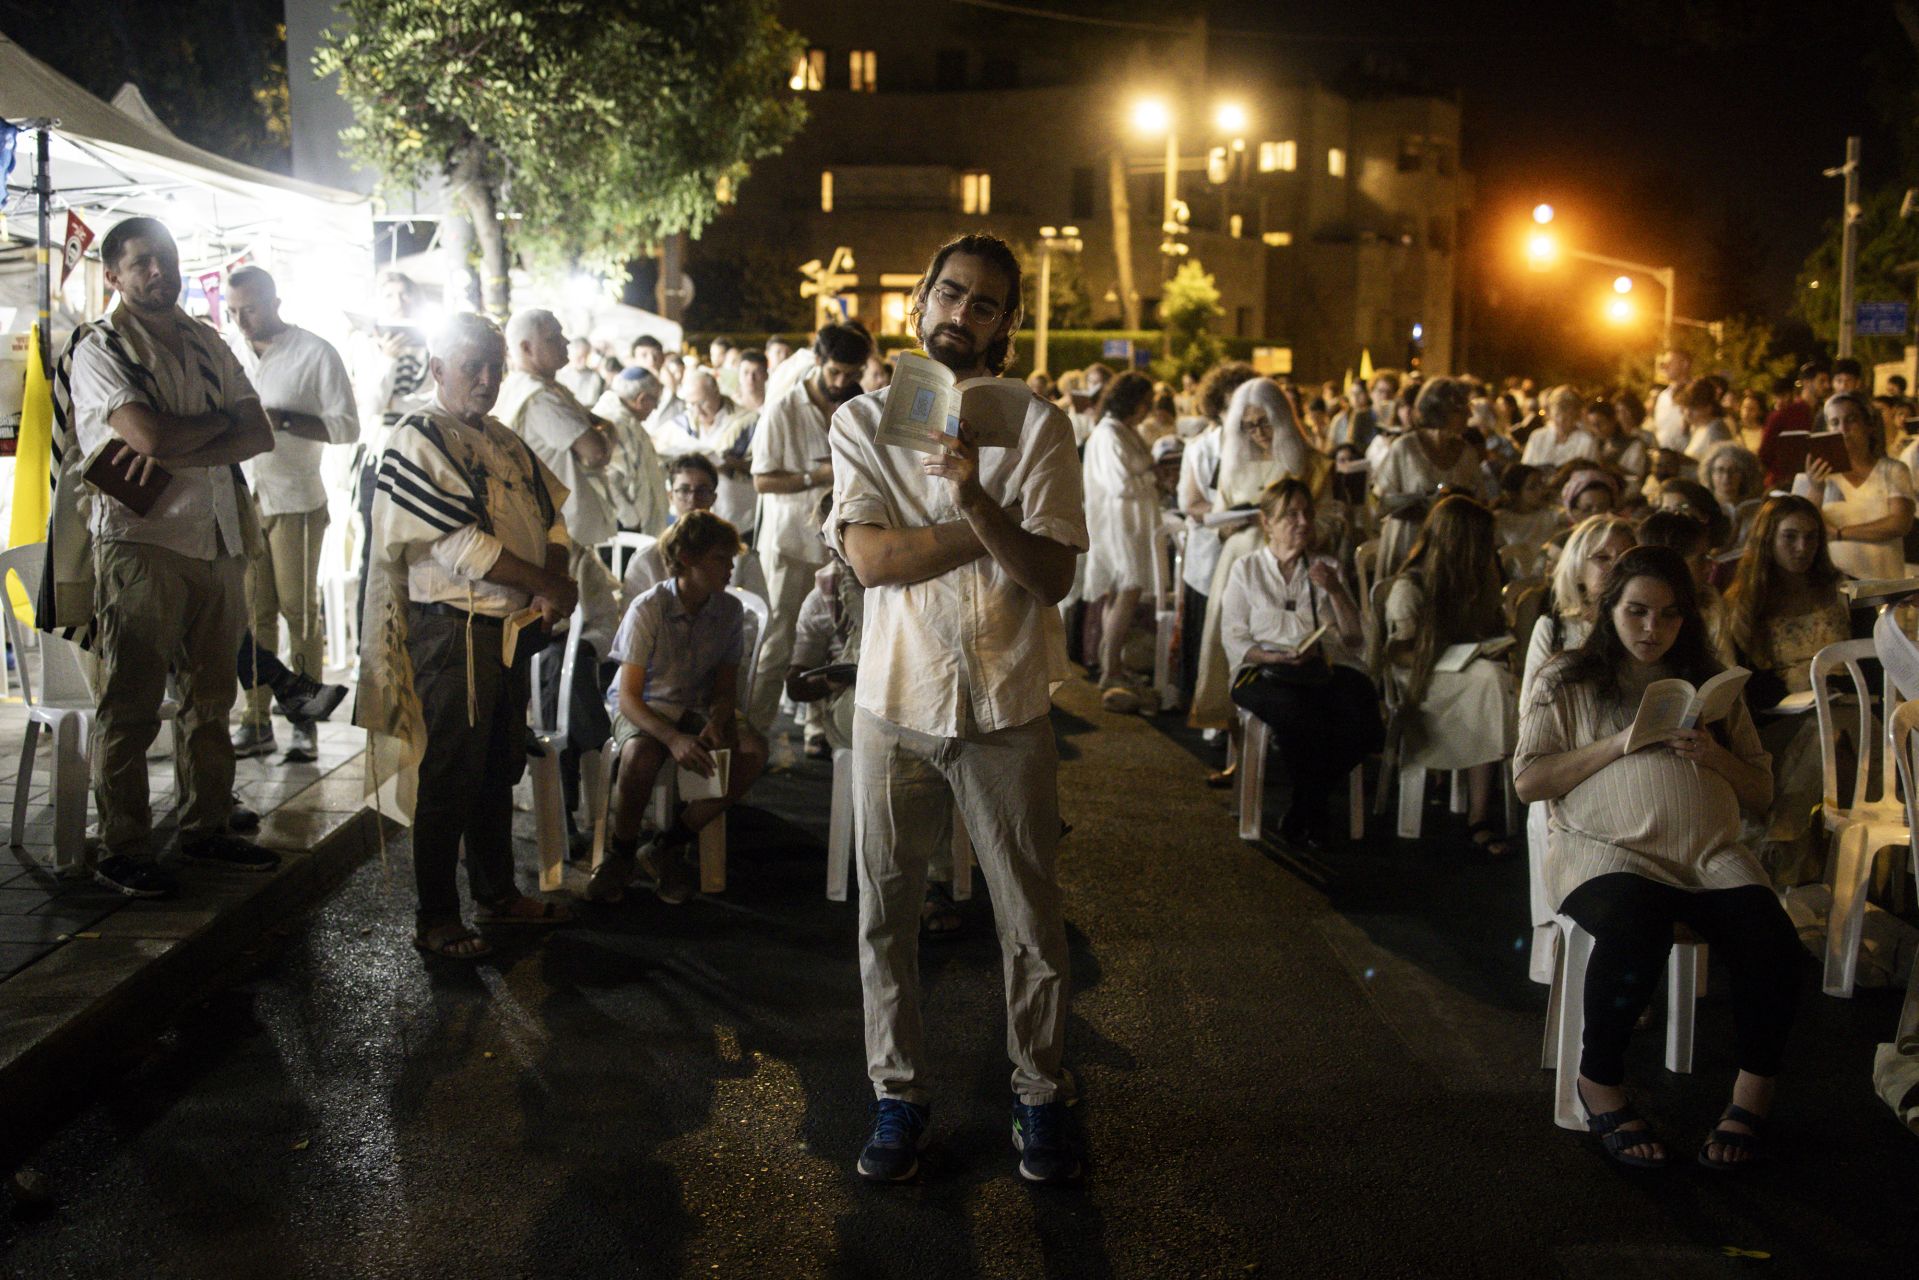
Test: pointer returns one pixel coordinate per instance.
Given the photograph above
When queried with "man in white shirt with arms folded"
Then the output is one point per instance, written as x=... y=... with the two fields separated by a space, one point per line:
x=154 y=388
x=303 y=385
x=964 y=557
x=792 y=463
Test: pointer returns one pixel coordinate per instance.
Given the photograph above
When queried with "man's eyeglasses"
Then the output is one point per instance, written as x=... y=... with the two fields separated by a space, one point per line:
x=979 y=310
x=704 y=491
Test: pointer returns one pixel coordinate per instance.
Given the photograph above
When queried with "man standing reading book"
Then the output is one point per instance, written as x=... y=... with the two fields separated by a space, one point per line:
x=964 y=555
x=159 y=399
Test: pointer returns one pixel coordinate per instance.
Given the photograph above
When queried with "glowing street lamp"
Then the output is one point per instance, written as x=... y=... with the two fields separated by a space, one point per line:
x=1542 y=249
x=1622 y=284
x=1231 y=118
x=1542 y=214
x=1152 y=116
x=1620 y=310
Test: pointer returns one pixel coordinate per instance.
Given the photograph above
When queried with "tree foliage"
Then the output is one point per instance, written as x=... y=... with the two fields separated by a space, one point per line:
x=593 y=129
x=1188 y=303
x=1886 y=241
x=1069 y=306
x=1747 y=353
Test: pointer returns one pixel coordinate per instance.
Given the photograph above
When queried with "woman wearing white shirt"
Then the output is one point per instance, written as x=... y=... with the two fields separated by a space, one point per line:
x=1561 y=440
x=1122 y=519
x=1323 y=711
x=1868 y=508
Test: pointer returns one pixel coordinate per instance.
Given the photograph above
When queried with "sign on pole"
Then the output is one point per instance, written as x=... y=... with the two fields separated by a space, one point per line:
x=1881 y=320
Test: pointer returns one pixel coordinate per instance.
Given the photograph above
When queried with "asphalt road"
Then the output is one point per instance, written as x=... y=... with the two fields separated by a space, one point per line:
x=1291 y=1066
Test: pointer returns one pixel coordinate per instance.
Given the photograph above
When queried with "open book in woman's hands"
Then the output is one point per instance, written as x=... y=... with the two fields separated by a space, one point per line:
x=925 y=403
x=1674 y=704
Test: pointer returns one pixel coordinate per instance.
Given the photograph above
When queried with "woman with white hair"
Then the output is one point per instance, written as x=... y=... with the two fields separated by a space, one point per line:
x=1562 y=439
x=1260 y=443
x=1579 y=580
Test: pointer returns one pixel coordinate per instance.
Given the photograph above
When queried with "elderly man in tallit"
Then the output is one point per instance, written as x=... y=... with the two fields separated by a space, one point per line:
x=468 y=571
x=1259 y=443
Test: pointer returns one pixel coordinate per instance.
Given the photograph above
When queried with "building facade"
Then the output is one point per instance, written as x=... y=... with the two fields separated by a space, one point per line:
x=1330 y=225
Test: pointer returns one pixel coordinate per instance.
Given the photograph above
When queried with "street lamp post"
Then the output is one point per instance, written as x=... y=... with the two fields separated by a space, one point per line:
x=1154 y=115
x=1542 y=248
x=1064 y=240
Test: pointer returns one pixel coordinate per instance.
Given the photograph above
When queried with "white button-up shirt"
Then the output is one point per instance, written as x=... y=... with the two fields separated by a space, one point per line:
x=198 y=514
x=791 y=437
x=725 y=436
x=548 y=417
x=1261 y=606
x=970 y=648
x=299 y=372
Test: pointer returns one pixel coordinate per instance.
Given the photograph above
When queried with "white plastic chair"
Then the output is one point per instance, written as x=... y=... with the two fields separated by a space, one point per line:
x=61 y=700
x=549 y=794
x=665 y=795
x=1566 y=1013
x=1865 y=825
x=1168 y=561
x=1905 y=738
x=839 y=837
x=625 y=546
x=339 y=596
x=1256 y=734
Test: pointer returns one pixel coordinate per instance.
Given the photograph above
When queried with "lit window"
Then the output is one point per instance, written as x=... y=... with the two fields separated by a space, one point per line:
x=1336 y=162
x=1278 y=239
x=826 y=191
x=861 y=68
x=1278 y=157
x=976 y=193
x=809 y=73
x=1235 y=225
x=892 y=312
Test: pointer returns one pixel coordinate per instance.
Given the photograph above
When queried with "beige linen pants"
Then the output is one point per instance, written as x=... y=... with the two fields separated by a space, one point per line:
x=158 y=609
x=787 y=582
x=1006 y=785
x=284 y=581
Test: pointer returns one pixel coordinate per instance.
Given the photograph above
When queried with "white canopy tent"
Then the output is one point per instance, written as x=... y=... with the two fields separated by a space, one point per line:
x=115 y=161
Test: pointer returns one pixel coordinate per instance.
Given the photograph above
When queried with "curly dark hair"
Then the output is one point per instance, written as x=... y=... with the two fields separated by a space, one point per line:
x=1597 y=662
x=1217 y=387
x=997 y=253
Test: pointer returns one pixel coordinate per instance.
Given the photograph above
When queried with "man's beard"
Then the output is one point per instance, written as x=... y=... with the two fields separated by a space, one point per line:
x=840 y=395
x=161 y=298
x=951 y=346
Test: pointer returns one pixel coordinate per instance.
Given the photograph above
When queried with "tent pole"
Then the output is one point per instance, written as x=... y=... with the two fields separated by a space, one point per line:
x=43 y=188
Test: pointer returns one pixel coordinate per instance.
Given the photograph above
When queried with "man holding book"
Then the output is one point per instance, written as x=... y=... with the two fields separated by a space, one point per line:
x=162 y=416
x=964 y=555
x=792 y=464
x=467 y=545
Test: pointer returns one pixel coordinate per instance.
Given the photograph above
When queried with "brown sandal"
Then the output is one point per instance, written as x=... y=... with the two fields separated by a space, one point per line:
x=452 y=942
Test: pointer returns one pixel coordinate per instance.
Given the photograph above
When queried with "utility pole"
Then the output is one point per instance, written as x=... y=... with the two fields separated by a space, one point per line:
x=1849 y=244
x=43 y=192
x=1122 y=239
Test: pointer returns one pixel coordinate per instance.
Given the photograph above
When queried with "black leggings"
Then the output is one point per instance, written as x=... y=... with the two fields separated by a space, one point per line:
x=1631 y=920
x=1322 y=731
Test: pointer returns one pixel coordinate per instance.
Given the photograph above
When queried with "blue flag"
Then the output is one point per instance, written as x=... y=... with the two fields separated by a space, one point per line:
x=7 y=136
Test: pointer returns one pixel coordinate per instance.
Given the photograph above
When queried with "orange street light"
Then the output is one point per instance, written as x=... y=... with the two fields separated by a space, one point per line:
x=1542 y=214
x=1542 y=249
x=1620 y=311
x=1622 y=284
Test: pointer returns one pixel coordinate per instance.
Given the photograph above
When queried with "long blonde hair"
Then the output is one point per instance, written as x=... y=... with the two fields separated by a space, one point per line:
x=1569 y=598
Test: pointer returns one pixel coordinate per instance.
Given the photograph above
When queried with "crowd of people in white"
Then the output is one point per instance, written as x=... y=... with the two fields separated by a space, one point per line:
x=1470 y=579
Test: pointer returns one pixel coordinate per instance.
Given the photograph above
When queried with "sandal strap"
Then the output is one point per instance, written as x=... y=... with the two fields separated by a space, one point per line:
x=1755 y=1122
x=1606 y=1122
x=1734 y=1138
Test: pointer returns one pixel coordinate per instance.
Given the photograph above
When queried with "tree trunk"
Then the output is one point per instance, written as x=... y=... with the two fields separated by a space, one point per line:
x=1122 y=240
x=473 y=187
x=462 y=289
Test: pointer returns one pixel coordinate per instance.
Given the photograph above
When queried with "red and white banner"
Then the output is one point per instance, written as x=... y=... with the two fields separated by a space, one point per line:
x=79 y=236
x=212 y=284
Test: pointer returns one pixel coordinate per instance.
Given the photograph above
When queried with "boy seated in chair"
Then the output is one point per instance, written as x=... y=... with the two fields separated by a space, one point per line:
x=680 y=648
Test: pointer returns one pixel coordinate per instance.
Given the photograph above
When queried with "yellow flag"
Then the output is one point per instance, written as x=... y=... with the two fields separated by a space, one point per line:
x=1346 y=387
x=1365 y=364
x=32 y=463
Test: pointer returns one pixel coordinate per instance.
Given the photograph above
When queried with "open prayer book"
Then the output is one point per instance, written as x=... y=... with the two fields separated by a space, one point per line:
x=1674 y=704
x=510 y=632
x=693 y=787
x=1304 y=646
x=1881 y=589
x=926 y=403
x=1454 y=657
x=1229 y=515
x=1827 y=446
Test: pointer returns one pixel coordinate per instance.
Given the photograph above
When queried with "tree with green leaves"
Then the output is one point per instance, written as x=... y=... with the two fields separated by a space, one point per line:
x=1744 y=351
x=1070 y=307
x=589 y=129
x=1887 y=242
x=1188 y=303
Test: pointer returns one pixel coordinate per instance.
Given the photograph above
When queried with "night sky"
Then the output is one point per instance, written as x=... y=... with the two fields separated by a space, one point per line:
x=1688 y=133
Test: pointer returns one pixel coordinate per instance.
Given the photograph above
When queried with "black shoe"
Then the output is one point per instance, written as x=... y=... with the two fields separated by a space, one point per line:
x=243 y=819
x=1046 y=1151
x=135 y=877
x=219 y=849
x=892 y=1151
x=305 y=698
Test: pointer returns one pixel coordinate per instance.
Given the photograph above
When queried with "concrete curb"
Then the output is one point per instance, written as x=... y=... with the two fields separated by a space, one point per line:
x=86 y=1013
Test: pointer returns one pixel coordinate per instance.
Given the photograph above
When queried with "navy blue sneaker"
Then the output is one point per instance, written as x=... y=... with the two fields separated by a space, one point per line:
x=1046 y=1151
x=892 y=1151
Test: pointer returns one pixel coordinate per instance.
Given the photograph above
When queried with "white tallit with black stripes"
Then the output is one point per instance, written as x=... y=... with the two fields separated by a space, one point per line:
x=437 y=479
